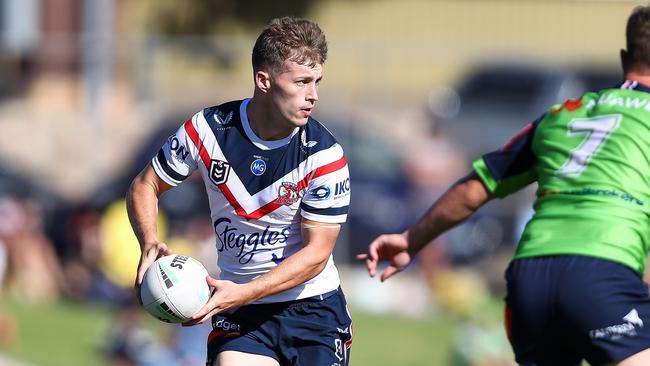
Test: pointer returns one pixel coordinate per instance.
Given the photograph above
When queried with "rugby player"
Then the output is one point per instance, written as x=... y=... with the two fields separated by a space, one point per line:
x=574 y=287
x=278 y=187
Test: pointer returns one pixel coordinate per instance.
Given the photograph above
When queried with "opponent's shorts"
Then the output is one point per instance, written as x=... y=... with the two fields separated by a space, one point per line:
x=308 y=332
x=563 y=309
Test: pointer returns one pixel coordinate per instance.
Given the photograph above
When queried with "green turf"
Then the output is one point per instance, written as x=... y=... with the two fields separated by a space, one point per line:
x=75 y=334
x=387 y=340
x=64 y=334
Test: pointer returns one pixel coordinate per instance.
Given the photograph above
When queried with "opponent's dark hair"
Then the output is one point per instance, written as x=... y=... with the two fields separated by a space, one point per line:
x=637 y=35
x=289 y=38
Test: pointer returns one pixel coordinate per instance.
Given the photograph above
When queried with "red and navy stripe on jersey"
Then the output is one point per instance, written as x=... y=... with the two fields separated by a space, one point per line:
x=259 y=190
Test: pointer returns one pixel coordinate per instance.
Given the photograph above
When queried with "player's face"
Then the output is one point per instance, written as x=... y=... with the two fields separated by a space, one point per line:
x=294 y=91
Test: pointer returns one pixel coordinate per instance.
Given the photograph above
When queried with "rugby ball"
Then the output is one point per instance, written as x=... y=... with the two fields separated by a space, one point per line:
x=174 y=288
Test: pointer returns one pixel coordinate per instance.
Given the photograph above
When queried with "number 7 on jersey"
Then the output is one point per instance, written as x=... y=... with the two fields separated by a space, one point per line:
x=597 y=131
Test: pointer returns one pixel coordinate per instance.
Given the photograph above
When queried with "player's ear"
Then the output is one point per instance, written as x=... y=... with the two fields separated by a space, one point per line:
x=263 y=80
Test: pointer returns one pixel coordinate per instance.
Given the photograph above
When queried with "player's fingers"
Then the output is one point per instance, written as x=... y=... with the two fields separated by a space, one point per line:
x=362 y=257
x=192 y=322
x=372 y=259
x=388 y=272
x=372 y=267
x=204 y=318
x=140 y=278
x=206 y=309
x=369 y=263
x=142 y=269
x=212 y=282
x=164 y=250
x=373 y=249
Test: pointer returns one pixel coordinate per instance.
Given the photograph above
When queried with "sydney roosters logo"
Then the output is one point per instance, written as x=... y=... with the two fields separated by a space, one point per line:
x=288 y=194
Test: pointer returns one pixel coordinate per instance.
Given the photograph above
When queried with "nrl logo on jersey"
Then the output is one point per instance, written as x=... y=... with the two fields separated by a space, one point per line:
x=219 y=170
x=219 y=118
x=305 y=143
x=288 y=194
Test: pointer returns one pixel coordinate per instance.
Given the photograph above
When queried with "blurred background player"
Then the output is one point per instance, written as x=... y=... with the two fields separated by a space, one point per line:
x=575 y=288
x=278 y=189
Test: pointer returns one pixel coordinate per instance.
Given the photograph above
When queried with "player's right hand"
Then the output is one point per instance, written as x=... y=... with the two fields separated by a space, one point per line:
x=391 y=247
x=150 y=253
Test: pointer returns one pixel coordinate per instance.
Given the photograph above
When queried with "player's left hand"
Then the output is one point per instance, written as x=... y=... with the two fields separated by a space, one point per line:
x=225 y=295
x=392 y=247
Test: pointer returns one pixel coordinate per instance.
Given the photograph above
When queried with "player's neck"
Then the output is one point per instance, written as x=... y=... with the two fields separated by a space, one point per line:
x=266 y=122
x=641 y=77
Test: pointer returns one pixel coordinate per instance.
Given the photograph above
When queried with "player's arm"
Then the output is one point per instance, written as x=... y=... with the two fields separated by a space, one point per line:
x=319 y=240
x=174 y=162
x=496 y=174
x=142 y=207
x=452 y=208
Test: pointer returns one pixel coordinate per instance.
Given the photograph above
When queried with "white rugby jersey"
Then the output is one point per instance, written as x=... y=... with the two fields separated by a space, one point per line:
x=259 y=190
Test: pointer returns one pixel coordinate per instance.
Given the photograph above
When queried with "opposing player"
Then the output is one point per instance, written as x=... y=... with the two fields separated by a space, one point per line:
x=278 y=189
x=574 y=286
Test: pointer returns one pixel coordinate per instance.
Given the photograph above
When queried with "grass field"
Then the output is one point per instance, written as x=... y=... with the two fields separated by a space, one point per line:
x=75 y=334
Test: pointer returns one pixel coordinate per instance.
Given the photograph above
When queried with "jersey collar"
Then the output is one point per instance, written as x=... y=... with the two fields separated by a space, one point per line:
x=258 y=142
x=635 y=85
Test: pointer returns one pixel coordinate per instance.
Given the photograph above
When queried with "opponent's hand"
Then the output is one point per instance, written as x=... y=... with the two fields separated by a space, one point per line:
x=392 y=247
x=147 y=258
x=225 y=295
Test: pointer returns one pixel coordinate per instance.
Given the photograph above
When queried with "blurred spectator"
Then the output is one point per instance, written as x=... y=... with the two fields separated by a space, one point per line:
x=33 y=272
x=130 y=343
x=431 y=163
x=120 y=249
x=83 y=249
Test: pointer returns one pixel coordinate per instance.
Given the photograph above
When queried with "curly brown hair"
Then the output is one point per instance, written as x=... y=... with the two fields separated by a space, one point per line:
x=289 y=38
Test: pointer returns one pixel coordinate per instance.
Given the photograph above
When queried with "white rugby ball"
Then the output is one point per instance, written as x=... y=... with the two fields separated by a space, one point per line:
x=174 y=288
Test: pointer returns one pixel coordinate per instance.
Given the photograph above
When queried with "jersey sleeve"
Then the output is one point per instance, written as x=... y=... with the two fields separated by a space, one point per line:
x=328 y=194
x=511 y=167
x=177 y=158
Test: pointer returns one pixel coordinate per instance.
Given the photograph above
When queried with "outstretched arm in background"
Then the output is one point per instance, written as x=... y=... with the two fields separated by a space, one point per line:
x=142 y=207
x=455 y=206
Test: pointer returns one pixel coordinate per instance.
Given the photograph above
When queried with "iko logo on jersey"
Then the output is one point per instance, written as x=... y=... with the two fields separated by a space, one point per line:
x=320 y=193
x=180 y=151
x=288 y=194
x=258 y=167
x=247 y=244
x=219 y=170
x=342 y=188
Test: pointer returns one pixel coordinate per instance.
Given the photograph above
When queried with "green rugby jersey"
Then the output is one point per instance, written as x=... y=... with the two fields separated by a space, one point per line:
x=591 y=159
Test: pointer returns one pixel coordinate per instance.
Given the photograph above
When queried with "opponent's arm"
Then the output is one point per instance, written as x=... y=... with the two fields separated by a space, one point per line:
x=142 y=208
x=453 y=207
x=319 y=240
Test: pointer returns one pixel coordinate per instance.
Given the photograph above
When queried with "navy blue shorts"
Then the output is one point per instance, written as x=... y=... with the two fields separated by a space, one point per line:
x=306 y=332
x=563 y=309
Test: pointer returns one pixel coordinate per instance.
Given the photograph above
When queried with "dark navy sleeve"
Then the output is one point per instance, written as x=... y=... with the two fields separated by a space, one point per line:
x=511 y=167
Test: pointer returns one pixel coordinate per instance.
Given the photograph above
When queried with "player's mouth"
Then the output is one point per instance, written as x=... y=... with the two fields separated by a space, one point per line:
x=306 y=111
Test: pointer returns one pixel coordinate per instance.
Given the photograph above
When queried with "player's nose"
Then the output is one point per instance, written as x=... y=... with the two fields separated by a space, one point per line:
x=312 y=92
